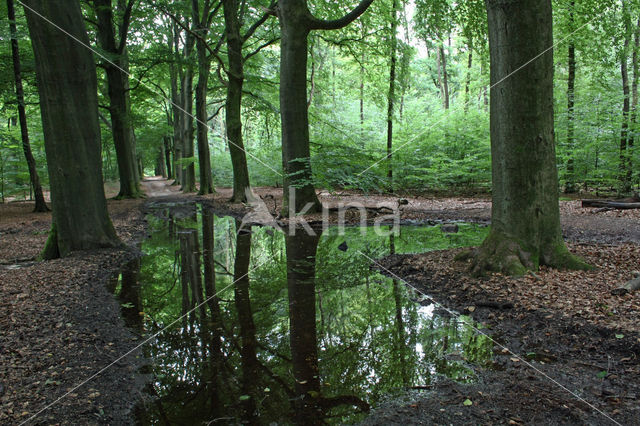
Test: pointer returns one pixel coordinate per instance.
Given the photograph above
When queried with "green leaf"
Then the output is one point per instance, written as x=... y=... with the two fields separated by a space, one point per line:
x=467 y=402
x=602 y=375
x=244 y=397
x=619 y=336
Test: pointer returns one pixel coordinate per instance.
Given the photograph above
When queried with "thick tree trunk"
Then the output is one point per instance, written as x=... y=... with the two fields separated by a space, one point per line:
x=119 y=108
x=41 y=205
x=233 y=105
x=176 y=105
x=525 y=230
x=295 y=24
x=296 y=156
x=67 y=85
x=392 y=91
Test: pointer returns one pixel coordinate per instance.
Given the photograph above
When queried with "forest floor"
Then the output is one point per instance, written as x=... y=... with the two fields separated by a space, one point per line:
x=60 y=326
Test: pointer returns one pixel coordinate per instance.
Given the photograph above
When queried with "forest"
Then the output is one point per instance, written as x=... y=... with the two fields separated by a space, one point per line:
x=319 y=212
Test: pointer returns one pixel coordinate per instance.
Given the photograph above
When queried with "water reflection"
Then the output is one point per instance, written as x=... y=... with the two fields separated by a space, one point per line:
x=285 y=329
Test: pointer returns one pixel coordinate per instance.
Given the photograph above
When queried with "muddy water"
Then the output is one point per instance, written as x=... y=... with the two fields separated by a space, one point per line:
x=254 y=326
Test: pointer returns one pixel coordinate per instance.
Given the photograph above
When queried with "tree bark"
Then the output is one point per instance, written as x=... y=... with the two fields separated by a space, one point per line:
x=41 y=205
x=625 y=184
x=392 y=90
x=296 y=22
x=525 y=219
x=67 y=85
x=204 y=65
x=233 y=105
x=119 y=108
x=445 y=77
x=189 y=169
x=634 y=101
x=467 y=84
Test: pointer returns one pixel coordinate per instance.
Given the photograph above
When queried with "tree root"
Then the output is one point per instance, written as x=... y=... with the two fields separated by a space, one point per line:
x=504 y=254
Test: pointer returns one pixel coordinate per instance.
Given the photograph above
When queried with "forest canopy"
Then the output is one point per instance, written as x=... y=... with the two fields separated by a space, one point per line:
x=440 y=94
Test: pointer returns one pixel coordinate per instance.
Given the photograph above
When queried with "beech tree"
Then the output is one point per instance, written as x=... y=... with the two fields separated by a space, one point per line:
x=67 y=85
x=41 y=205
x=296 y=22
x=118 y=88
x=525 y=218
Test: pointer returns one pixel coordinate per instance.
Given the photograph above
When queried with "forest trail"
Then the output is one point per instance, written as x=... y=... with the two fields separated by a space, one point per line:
x=158 y=186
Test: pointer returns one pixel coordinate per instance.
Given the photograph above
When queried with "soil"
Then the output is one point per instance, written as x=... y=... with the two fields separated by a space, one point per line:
x=61 y=326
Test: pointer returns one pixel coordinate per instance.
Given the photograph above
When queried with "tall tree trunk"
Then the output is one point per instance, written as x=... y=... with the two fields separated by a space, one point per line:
x=392 y=91
x=188 y=153
x=445 y=77
x=296 y=21
x=67 y=85
x=625 y=184
x=634 y=101
x=119 y=108
x=233 y=105
x=570 y=186
x=467 y=84
x=296 y=155
x=204 y=65
x=167 y=157
x=176 y=105
x=40 y=206
x=525 y=216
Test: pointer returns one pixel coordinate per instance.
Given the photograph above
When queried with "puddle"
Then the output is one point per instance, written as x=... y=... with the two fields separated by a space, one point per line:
x=302 y=329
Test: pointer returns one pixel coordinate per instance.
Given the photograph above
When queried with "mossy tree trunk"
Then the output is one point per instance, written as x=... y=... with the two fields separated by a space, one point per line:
x=525 y=229
x=67 y=85
x=296 y=22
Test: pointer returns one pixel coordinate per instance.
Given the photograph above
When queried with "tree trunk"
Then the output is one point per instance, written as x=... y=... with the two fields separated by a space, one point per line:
x=119 y=108
x=204 y=65
x=392 y=91
x=525 y=220
x=176 y=102
x=40 y=206
x=188 y=154
x=467 y=84
x=67 y=85
x=295 y=24
x=296 y=156
x=634 y=102
x=233 y=105
x=625 y=184
x=445 y=78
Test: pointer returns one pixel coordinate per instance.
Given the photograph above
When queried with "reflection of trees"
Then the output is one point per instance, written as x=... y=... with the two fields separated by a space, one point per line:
x=129 y=295
x=310 y=405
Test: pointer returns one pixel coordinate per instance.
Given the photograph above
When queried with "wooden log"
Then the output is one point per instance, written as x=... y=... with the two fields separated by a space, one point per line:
x=630 y=286
x=619 y=205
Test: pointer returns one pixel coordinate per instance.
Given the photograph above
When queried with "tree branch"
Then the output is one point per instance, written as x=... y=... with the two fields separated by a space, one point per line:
x=262 y=46
x=124 y=28
x=321 y=24
x=269 y=12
